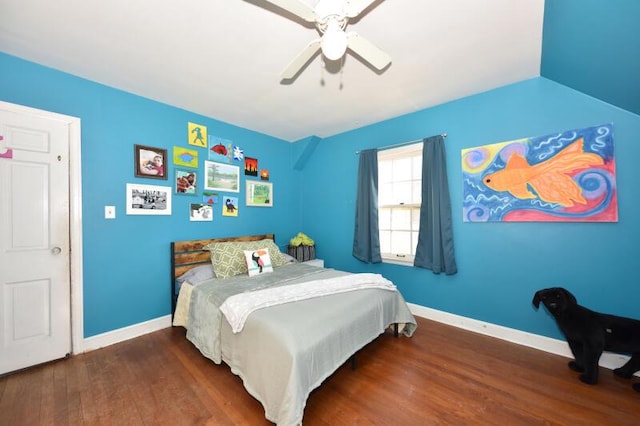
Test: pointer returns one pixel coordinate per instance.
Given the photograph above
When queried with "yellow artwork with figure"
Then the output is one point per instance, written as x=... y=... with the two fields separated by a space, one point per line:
x=197 y=135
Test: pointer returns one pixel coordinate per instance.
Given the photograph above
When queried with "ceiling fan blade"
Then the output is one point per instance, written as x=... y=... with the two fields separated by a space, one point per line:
x=353 y=8
x=299 y=62
x=368 y=51
x=296 y=7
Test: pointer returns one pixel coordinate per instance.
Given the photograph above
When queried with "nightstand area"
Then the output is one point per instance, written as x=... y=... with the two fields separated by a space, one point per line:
x=315 y=262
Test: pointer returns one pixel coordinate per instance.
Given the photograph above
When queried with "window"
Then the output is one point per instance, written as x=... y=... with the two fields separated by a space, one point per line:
x=399 y=199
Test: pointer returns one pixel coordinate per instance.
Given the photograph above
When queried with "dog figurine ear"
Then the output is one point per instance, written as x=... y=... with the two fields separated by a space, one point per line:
x=570 y=298
x=537 y=298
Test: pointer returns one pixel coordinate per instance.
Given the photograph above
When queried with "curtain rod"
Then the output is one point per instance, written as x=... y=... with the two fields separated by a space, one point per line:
x=444 y=135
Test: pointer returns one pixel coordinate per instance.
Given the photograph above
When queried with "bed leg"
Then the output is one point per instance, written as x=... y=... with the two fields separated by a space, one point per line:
x=395 y=330
x=354 y=363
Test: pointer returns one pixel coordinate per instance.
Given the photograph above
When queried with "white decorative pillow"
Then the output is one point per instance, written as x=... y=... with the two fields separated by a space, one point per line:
x=228 y=257
x=258 y=261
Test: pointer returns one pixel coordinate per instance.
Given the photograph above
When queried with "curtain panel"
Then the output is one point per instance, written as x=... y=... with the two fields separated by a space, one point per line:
x=366 y=237
x=435 y=239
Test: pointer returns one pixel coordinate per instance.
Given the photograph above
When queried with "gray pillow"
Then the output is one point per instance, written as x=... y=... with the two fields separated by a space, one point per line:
x=197 y=275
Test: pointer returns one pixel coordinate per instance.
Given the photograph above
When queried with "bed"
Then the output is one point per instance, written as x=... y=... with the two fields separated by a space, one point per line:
x=282 y=326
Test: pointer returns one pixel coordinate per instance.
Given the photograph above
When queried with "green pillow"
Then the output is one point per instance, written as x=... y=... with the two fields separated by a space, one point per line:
x=228 y=258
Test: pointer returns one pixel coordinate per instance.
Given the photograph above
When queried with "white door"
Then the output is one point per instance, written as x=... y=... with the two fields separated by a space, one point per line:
x=35 y=293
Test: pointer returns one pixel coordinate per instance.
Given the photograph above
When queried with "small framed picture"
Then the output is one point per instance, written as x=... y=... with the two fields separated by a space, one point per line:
x=148 y=199
x=186 y=181
x=185 y=157
x=199 y=212
x=259 y=193
x=149 y=162
x=230 y=207
x=221 y=177
x=250 y=166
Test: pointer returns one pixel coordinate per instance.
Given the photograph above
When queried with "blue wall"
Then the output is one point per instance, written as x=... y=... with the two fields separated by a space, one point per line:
x=594 y=46
x=501 y=265
x=126 y=260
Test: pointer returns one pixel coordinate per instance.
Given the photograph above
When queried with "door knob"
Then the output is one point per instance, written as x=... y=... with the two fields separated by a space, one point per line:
x=56 y=250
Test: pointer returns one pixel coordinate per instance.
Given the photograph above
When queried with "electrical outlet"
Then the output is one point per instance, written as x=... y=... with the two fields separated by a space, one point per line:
x=109 y=212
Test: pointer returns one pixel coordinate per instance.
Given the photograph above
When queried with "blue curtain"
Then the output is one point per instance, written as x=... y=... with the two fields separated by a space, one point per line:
x=366 y=237
x=435 y=240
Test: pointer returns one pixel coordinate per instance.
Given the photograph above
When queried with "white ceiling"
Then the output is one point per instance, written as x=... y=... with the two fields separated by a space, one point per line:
x=223 y=58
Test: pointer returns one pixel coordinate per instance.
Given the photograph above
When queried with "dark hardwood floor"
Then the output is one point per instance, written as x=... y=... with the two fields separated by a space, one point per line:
x=440 y=376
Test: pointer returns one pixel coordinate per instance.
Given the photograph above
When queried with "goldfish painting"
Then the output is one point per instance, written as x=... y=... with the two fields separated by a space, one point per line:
x=562 y=177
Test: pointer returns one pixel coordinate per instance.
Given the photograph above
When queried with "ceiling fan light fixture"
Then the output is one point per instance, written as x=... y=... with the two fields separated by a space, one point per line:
x=334 y=41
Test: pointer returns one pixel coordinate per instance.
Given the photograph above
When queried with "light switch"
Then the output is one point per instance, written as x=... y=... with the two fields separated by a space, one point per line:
x=109 y=212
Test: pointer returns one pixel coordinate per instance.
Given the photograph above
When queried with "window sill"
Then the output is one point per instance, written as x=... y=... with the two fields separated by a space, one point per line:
x=395 y=261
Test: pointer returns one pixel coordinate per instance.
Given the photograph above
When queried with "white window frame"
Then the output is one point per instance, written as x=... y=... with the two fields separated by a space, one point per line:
x=393 y=204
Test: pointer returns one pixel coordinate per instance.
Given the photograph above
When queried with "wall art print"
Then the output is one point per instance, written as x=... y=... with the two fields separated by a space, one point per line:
x=197 y=134
x=250 y=166
x=185 y=157
x=221 y=177
x=259 y=193
x=220 y=149
x=563 y=177
x=148 y=199
x=209 y=198
x=199 y=212
x=230 y=207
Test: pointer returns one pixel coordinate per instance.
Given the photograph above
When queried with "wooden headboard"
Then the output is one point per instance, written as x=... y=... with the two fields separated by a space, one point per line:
x=186 y=255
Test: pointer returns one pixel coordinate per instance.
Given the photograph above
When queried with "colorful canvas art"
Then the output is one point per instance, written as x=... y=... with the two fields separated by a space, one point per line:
x=197 y=135
x=185 y=157
x=564 y=177
x=230 y=206
x=238 y=153
x=209 y=198
x=220 y=150
x=250 y=166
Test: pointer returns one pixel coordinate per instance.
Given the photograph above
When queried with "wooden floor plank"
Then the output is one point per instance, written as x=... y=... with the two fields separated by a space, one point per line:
x=440 y=376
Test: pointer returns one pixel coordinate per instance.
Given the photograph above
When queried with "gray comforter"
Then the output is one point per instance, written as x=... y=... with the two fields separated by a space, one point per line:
x=287 y=350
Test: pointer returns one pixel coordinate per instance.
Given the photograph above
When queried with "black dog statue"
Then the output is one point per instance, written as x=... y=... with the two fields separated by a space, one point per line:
x=590 y=333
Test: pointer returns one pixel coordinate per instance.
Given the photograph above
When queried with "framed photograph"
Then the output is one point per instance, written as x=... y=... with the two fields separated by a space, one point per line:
x=148 y=199
x=149 y=162
x=259 y=193
x=221 y=177
x=186 y=182
x=199 y=212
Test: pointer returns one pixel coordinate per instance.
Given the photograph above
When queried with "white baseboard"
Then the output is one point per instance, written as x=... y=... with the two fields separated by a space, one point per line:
x=125 y=333
x=559 y=347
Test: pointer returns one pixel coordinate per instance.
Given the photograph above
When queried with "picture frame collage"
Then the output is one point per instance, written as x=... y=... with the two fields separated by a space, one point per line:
x=221 y=173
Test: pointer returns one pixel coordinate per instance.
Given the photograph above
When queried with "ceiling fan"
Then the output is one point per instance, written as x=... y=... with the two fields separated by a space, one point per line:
x=331 y=18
